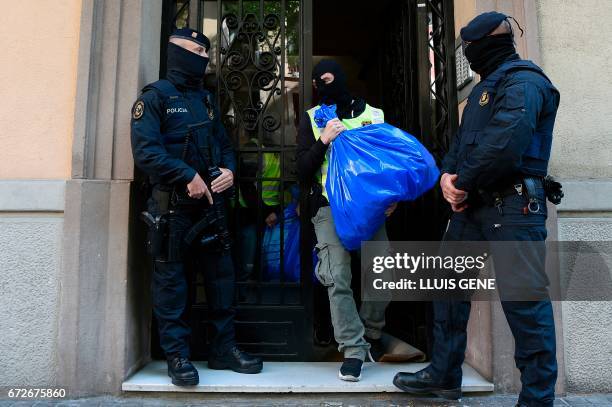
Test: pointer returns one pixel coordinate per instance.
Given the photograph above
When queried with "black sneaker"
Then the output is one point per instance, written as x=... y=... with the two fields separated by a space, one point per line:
x=350 y=370
x=377 y=350
x=182 y=372
x=236 y=360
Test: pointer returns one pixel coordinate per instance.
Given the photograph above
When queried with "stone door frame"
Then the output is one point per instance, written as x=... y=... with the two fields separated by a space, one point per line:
x=104 y=324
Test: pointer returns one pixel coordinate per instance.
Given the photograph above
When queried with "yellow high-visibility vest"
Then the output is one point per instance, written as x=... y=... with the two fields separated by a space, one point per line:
x=370 y=115
x=270 y=193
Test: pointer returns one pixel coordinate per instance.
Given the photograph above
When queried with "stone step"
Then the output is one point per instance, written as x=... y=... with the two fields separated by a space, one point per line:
x=290 y=377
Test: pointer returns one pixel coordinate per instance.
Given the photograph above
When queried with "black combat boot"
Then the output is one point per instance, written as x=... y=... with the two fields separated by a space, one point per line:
x=182 y=372
x=423 y=383
x=236 y=360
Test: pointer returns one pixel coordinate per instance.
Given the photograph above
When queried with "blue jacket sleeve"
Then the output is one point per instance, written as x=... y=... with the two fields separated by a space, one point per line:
x=150 y=154
x=449 y=163
x=505 y=139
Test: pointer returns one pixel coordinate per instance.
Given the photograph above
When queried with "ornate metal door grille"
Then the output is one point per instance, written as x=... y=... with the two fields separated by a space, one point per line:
x=419 y=95
x=442 y=89
x=438 y=114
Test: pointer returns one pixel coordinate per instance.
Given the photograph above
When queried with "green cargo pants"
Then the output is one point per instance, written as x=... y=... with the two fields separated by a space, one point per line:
x=334 y=272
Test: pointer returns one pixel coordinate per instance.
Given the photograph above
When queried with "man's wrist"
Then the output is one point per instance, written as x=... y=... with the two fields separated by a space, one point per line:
x=190 y=175
x=321 y=146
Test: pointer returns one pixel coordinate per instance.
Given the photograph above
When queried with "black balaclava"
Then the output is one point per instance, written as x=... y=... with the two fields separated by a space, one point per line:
x=335 y=92
x=185 y=68
x=488 y=53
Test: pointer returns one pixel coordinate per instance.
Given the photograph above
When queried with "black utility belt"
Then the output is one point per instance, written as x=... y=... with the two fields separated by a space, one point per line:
x=525 y=187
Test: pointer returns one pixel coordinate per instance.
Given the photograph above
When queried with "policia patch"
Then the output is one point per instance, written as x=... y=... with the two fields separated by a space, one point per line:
x=138 y=110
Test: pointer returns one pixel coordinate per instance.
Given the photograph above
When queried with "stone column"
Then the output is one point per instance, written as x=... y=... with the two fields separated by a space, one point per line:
x=103 y=323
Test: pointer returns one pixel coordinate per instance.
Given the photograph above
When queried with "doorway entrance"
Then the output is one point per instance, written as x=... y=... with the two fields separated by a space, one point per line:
x=398 y=55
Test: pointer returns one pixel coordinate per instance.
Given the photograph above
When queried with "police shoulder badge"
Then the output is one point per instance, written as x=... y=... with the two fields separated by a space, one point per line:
x=484 y=98
x=138 y=110
x=211 y=114
x=366 y=123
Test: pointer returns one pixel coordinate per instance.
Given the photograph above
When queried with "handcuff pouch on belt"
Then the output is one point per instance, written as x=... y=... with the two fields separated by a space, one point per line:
x=530 y=186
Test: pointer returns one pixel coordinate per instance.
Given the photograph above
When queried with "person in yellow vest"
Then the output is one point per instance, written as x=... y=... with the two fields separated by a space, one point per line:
x=357 y=333
x=248 y=198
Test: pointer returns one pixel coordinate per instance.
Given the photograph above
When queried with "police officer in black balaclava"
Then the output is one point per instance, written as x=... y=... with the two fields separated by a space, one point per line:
x=493 y=177
x=489 y=52
x=178 y=141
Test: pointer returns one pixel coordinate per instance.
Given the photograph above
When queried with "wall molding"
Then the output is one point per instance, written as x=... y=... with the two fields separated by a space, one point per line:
x=586 y=196
x=32 y=195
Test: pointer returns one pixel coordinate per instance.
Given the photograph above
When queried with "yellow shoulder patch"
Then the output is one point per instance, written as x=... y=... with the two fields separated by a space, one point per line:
x=484 y=98
x=138 y=110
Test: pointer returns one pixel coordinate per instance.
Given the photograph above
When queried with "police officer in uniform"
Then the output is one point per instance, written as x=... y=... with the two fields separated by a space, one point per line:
x=178 y=141
x=493 y=177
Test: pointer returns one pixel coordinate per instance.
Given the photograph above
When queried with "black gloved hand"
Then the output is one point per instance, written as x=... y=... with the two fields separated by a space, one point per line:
x=553 y=189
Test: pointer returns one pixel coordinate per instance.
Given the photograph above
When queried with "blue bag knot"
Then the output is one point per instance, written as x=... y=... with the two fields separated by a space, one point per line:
x=324 y=114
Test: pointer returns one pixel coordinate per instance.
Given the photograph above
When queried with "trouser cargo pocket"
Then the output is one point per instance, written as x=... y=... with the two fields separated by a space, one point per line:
x=323 y=269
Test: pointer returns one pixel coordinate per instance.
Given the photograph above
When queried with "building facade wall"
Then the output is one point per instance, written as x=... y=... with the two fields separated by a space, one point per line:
x=30 y=252
x=65 y=140
x=578 y=62
x=39 y=42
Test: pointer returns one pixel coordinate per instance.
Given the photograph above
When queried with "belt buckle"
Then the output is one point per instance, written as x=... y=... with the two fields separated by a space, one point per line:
x=519 y=189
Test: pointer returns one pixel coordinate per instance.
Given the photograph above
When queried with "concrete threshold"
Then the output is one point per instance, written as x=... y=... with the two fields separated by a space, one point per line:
x=290 y=377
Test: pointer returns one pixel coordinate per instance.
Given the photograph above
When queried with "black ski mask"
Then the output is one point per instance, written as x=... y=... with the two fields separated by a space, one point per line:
x=185 y=68
x=336 y=91
x=488 y=53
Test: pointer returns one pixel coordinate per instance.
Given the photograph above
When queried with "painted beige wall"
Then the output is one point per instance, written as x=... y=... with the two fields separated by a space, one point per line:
x=576 y=52
x=465 y=10
x=39 y=43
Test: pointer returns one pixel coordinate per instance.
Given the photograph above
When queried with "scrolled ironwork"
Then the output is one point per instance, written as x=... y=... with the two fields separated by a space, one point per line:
x=271 y=22
x=231 y=21
x=270 y=123
x=250 y=65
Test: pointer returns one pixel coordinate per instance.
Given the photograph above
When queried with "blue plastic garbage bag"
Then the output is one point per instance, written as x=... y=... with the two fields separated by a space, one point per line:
x=291 y=250
x=369 y=168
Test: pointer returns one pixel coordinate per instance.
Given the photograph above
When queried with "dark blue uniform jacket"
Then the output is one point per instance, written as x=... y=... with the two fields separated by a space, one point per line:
x=507 y=128
x=159 y=127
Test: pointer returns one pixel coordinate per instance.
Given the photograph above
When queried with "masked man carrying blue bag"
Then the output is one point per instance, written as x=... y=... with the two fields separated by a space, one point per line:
x=357 y=333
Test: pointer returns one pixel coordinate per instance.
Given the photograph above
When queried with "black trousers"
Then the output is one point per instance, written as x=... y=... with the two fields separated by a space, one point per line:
x=531 y=322
x=169 y=288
